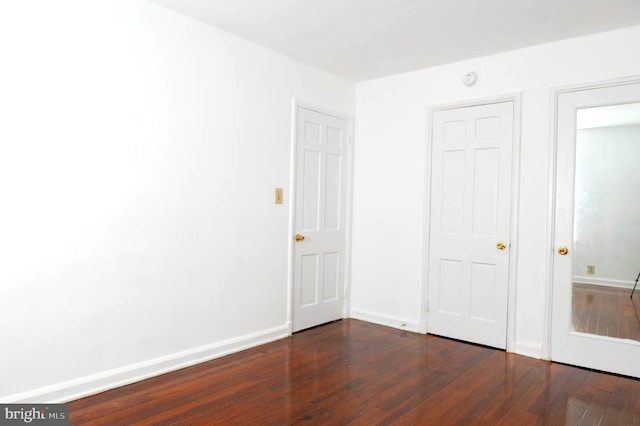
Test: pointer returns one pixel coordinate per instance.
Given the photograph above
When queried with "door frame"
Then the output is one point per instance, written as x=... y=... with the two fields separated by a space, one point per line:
x=295 y=104
x=553 y=158
x=516 y=98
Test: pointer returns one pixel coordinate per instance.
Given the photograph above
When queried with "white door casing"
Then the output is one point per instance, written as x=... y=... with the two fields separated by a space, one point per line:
x=587 y=350
x=470 y=215
x=320 y=205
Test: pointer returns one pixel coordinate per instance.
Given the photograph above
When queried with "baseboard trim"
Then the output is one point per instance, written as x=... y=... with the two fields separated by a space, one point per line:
x=386 y=320
x=529 y=349
x=605 y=282
x=100 y=382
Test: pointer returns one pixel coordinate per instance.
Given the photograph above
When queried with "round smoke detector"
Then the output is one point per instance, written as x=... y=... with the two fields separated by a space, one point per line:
x=470 y=78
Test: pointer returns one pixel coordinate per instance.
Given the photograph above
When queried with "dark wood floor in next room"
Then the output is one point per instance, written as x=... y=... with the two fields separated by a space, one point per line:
x=353 y=372
x=607 y=311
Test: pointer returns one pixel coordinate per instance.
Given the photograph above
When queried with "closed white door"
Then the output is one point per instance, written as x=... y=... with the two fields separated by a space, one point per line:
x=594 y=127
x=470 y=223
x=320 y=218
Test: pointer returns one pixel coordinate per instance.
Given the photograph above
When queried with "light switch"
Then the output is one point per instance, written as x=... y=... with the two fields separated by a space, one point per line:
x=278 y=195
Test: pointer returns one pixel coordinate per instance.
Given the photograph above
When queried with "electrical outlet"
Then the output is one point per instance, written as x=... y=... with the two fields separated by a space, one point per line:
x=591 y=269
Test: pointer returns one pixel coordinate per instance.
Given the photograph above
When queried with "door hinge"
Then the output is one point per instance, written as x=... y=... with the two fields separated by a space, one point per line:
x=346 y=293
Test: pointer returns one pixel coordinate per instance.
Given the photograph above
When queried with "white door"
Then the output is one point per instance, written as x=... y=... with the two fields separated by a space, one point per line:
x=584 y=172
x=320 y=218
x=470 y=223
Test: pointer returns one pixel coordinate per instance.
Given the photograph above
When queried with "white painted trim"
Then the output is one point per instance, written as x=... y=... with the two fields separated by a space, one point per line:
x=100 y=382
x=349 y=220
x=322 y=109
x=386 y=320
x=605 y=282
x=426 y=235
x=551 y=208
x=474 y=102
x=622 y=81
x=516 y=98
x=544 y=352
x=292 y=207
x=555 y=93
x=530 y=349
x=515 y=223
x=295 y=104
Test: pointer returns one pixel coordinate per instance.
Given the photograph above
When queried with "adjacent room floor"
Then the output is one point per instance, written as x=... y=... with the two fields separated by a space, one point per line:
x=353 y=372
x=606 y=311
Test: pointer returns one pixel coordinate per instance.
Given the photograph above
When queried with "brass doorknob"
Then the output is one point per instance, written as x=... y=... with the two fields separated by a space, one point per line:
x=562 y=250
x=299 y=237
x=501 y=245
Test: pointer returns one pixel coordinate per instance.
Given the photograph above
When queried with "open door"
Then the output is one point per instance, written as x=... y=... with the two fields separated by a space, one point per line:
x=594 y=322
x=320 y=205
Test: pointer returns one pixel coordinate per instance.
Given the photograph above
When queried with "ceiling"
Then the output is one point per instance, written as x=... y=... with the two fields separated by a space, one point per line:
x=609 y=116
x=365 y=39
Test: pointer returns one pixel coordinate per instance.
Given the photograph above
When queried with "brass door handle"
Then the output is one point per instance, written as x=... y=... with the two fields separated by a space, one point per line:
x=299 y=237
x=501 y=245
x=563 y=250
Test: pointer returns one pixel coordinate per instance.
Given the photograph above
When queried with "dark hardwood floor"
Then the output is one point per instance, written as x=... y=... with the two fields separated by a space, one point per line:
x=606 y=311
x=353 y=372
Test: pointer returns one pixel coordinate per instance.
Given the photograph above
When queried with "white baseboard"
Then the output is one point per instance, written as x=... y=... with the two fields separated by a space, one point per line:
x=529 y=349
x=423 y=328
x=545 y=352
x=100 y=382
x=605 y=282
x=387 y=320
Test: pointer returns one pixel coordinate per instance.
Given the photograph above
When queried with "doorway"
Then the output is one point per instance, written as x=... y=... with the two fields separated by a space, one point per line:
x=595 y=323
x=470 y=238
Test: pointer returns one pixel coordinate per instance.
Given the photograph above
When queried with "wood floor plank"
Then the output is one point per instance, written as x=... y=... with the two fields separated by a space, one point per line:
x=514 y=391
x=352 y=372
x=597 y=408
x=489 y=394
x=580 y=400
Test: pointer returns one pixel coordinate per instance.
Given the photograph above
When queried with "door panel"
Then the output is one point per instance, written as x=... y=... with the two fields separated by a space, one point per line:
x=485 y=191
x=450 y=287
x=331 y=277
x=308 y=279
x=333 y=192
x=310 y=194
x=320 y=211
x=452 y=204
x=470 y=213
x=483 y=282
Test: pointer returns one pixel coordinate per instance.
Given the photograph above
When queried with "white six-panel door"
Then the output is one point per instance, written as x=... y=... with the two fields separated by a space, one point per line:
x=470 y=223
x=320 y=218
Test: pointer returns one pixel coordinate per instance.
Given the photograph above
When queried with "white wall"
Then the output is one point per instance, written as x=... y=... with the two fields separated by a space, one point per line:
x=389 y=175
x=139 y=152
x=607 y=229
